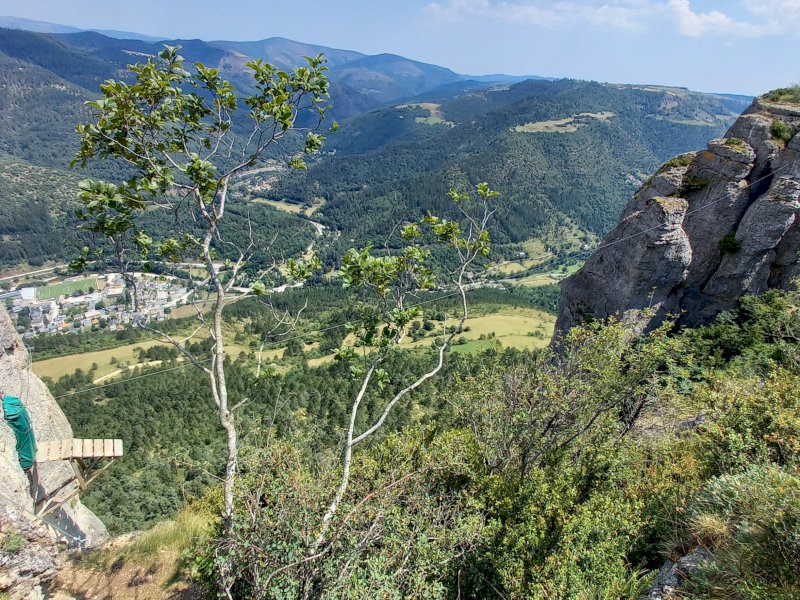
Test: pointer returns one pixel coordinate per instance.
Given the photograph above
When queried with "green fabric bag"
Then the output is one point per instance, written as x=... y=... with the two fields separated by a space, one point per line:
x=18 y=419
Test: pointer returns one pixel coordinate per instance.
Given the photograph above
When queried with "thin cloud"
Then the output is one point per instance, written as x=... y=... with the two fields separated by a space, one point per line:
x=767 y=17
x=622 y=14
x=778 y=16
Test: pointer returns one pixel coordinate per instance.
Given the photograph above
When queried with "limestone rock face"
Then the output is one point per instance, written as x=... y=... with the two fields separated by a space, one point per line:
x=665 y=257
x=73 y=523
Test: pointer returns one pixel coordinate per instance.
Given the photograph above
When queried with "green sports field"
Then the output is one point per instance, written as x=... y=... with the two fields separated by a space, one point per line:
x=65 y=288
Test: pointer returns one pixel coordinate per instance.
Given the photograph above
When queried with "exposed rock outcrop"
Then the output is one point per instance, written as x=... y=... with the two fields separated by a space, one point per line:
x=671 y=577
x=706 y=229
x=70 y=525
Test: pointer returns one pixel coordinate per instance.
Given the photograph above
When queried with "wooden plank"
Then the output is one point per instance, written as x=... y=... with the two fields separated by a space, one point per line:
x=108 y=447
x=117 y=447
x=78 y=475
x=66 y=449
x=43 y=452
x=77 y=445
x=98 y=448
x=87 y=449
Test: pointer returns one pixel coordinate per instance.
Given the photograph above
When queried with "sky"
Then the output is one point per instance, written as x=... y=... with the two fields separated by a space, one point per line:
x=735 y=46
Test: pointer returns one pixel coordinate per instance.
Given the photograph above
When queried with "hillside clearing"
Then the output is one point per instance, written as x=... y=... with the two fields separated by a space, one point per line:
x=568 y=125
x=521 y=328
x=435 y=115
x=291 y=207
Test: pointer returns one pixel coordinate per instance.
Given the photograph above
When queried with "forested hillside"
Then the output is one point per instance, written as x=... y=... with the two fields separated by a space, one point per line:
x=565 y=154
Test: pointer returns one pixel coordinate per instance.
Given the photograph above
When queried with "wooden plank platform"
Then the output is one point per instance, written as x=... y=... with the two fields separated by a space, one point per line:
x=75 y=448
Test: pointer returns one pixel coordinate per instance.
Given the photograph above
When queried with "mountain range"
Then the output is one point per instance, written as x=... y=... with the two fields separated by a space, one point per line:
x=565 y=154
x=378 y=78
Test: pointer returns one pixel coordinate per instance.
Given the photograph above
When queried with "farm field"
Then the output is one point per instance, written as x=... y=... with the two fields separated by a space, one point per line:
x=510 y=326
x=66 y=365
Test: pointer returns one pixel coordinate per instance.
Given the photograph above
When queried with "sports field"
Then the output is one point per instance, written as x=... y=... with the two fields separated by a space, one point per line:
x=65 y=288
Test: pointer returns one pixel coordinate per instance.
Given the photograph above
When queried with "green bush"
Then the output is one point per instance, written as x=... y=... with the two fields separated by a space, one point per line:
x=782 y=131
x=750 y=522
x=691 y=184
x=729 y=244
x=790 y=94
x=11 y=543
x=753 y=420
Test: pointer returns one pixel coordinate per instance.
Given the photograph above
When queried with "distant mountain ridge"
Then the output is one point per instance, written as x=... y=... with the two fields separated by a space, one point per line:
x=45 y=27
x=379 y=79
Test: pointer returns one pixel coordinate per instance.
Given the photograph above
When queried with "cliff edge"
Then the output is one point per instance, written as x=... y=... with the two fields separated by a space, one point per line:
x=706 y=229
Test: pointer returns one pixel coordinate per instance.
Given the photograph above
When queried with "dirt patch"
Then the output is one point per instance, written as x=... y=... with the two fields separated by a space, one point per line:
x=125 y=580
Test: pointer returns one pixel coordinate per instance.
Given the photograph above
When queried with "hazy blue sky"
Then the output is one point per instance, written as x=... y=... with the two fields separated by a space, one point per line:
x=746 y=46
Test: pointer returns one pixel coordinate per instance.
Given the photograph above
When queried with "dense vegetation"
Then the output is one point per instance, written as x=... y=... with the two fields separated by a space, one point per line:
x=521 y=474
x=389 y=167
x=565 y=472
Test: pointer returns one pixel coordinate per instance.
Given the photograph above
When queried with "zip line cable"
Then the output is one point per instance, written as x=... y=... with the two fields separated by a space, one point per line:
x=547 y=267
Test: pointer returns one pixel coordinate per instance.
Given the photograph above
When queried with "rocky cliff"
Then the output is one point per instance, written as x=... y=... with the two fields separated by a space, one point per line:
x=706 y=229
x=25 y=571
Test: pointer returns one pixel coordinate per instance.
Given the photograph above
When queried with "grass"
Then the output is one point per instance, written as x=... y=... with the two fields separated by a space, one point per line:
x=65 y=288
x=510 y=327
x=292 y=207
x=156 y=563
x=536 y=252
x=568 y=125
x=289 y=207
x=788 y=95
x=735 y=142
x=684 y=160
x=537 y=280
x=435 y=115
x=66 y=365
x=185 y=532
x=11 y=543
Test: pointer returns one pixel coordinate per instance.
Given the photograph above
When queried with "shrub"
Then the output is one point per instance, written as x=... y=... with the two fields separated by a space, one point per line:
x=782 y=131
x=11 y=543
x=790 y=94
x=753 y=421
x=751 y=524
x=691 y=184
x=729 y=244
